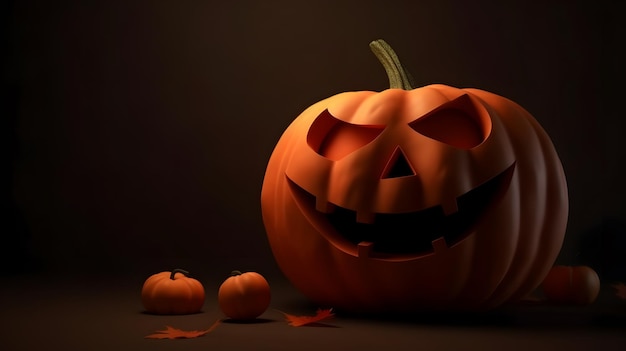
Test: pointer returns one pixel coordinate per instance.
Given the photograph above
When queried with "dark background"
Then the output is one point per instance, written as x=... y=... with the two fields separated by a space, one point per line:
x=136 y=135
x=137 y=132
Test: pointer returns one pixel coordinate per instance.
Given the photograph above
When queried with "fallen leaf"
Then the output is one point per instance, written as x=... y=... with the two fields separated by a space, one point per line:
x=620 y=290
x=298 y=321
x=174 y=333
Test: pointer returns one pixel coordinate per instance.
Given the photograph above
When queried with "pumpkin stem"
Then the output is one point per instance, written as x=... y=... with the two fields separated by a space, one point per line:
x=234 y=273
x=178 y=270
x=399 y=78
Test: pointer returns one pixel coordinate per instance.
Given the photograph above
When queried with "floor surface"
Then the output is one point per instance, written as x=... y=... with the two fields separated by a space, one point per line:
x=42 y=313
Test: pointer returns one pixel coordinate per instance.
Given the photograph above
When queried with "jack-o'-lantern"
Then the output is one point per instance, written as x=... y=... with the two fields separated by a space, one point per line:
x=414 y=198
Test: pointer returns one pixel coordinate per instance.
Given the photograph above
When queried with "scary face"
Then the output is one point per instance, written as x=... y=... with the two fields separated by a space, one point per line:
x=435 y=197
x=374 y=203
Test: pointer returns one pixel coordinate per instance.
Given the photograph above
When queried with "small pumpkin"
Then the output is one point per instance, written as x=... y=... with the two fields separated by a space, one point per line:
x=172 y=293
x=579 y=285
x=432 y=197
x=244 y=296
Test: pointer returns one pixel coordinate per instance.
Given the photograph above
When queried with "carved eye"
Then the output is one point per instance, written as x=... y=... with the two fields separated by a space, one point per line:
x=455 y=123
x=334 y=138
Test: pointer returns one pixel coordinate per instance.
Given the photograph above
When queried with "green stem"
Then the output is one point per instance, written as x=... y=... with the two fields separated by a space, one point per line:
x=234 y=273
x=399 y=78
x=178 y=270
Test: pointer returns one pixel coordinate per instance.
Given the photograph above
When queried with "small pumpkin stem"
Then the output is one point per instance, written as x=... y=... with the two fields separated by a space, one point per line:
x=399 y=78
x=178 y=270
x=234 y=273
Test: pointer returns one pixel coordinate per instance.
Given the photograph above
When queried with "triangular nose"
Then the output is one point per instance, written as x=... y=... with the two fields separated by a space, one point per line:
x=398 y=166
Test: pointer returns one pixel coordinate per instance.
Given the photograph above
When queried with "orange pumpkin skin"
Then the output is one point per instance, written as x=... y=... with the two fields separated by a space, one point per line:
x=244 y=296
x=172 y=293
x=578 y=285
x=340 y=155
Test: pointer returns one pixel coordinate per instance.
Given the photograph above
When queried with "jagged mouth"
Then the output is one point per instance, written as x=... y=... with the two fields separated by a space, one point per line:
x=389 y=235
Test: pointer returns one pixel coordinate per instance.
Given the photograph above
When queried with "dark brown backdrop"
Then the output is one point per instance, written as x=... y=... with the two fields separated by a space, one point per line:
x=138 y=131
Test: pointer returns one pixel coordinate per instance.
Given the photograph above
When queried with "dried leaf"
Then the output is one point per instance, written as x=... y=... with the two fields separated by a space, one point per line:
x=174 y=333
x=620 y=290
x=298 y=321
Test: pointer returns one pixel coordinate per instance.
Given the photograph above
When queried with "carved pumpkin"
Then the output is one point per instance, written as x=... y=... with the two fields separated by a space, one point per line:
x=578 y=285
x=244 y=296
x=172 y=293
x=427 y=198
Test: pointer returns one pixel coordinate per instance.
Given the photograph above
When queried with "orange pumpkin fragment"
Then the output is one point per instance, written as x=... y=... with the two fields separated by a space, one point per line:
x=578 y=285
